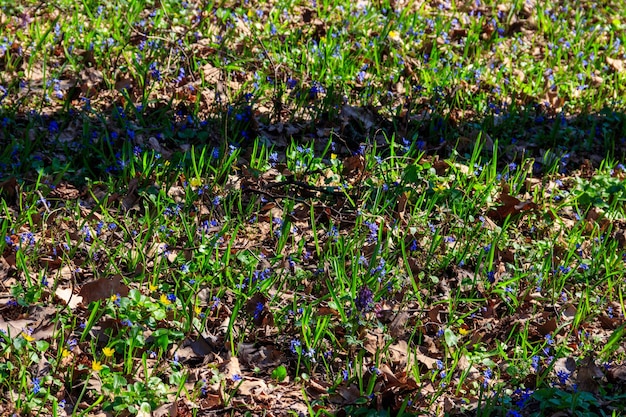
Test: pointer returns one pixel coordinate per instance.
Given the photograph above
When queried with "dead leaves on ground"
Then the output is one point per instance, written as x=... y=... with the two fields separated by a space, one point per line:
x=510 y=206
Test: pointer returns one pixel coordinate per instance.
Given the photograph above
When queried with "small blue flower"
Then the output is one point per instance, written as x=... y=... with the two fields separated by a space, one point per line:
x=154 y=72
x=364 y=299
x=563 y=376
x=258 y=310
x=295 y=346
x=535 y=362
x=36 y=386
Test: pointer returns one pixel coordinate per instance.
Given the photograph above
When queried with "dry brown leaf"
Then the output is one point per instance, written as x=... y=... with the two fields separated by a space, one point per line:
x=103 y=288
x=345 y=395
x=510 y=206
x=374 y=341
x=211 y=402
x=433 y=314
x=15 y=327
x=361 y=114
x=131 y=197
x=166 y=410
x=399 y=353
x=617 y=374
x=231 y=367
x=9 y=189
x=588 y=376
x=253 y=387
x=198 y=348
x=398 y=324
x=426 y=360
x=548 y=327
x=353 y=166
x=616 y=64
x=68 y=296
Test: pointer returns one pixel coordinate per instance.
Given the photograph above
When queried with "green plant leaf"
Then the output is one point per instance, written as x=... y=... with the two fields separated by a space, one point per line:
x=450 y=337
x=280 y=373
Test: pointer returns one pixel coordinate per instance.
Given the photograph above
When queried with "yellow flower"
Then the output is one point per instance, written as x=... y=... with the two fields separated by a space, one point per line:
x=198 y=309
x=108 y=351
x=96 y=366
x=28 y=337
x=164 y=299
x=115 y=297
x=65 y=353
x=152 y=287
x=394 y=36
x=333 y=156
x=195 y=182
x=440 y=188
x=463 y=331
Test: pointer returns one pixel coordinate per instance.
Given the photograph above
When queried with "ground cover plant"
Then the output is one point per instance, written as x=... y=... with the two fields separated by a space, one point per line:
x=312 y=208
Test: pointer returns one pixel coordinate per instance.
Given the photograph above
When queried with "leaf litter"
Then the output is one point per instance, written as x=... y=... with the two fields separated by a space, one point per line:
x=264 y=347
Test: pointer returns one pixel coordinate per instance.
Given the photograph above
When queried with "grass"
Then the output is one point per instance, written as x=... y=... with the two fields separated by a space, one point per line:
x=312 y=208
